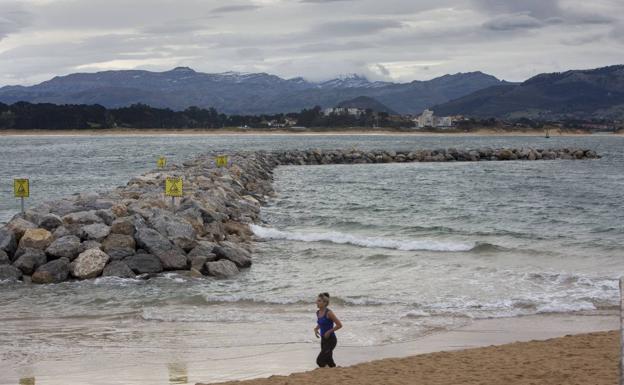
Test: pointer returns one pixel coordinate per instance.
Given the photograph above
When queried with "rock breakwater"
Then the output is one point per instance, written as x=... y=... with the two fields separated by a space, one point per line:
x=134 y=231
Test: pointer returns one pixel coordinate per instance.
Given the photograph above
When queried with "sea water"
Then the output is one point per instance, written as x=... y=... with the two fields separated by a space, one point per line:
x=404 y=249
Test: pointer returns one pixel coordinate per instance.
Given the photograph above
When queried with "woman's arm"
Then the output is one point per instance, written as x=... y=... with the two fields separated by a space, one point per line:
x=337 y=323
x=316 y=331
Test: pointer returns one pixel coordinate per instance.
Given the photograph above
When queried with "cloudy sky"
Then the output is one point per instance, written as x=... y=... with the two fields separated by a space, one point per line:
x=399 y=40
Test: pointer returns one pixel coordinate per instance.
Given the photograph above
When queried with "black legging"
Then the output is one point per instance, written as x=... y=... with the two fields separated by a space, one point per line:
x=325 y=357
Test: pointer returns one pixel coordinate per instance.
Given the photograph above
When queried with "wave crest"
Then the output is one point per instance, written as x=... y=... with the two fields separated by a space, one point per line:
x=362 y=241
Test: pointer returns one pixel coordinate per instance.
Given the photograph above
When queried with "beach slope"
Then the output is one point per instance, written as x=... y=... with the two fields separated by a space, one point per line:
x=577 y=359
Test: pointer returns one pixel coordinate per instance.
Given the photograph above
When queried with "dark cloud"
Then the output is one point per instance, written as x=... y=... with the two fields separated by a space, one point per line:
x=356 y=27
x=513 y=22
x=323 y=1
x=13 y=18
x=539 y=9
x=235 y=8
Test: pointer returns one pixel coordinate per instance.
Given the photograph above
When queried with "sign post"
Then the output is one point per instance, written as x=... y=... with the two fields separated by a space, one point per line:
x=221 y=160
x=173 y=188
x=161 y=162
x=621 y=331
x=21 y=189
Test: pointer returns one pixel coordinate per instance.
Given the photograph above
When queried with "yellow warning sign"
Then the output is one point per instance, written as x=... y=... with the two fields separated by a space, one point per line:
x=21 y=188
x=161 y=162
x=173 y=187
x=222 y=160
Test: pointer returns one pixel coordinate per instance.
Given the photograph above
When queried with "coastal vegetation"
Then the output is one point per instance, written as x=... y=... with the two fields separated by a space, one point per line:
x=48 y=116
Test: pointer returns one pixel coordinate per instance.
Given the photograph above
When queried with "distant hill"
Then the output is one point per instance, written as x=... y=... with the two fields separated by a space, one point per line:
x=596 y=93
x=365 y=102
x=238 y=93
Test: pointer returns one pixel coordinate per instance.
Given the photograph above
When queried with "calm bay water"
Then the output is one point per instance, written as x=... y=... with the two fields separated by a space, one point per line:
x=406 y=249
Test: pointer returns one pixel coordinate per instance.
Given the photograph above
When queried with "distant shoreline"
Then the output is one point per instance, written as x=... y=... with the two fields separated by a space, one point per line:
x=310 y=132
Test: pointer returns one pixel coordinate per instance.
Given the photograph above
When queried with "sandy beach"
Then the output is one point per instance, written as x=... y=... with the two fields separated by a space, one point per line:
x=575 y=359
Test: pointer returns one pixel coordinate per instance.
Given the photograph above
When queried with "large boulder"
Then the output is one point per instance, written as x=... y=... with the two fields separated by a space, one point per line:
x=30 y=260
x=52 y=272
x=64 y=247
x=19 y=226
x=176 y=229
x=119 y=246
x=118 y=269
x=50 y=222
x=221 y=269
x=204 y=248
x=123 y=226
x=36 y=239
x=89 y=264
x=4 y=258
x=144 y=263
x=90 y=244
x=8 y=242
x=171 y=256
x=10 y=273
x=95 y=231
x=234 y=253
x=82 y=218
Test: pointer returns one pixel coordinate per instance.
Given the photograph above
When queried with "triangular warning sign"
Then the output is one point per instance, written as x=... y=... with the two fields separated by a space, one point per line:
x=21 y=188
x=174 y=188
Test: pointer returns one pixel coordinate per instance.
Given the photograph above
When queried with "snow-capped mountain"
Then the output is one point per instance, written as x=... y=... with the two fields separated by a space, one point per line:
x=240 y=93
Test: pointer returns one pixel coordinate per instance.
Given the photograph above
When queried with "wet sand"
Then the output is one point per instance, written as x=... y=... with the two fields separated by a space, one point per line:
x=572 y=360
x=183 y=353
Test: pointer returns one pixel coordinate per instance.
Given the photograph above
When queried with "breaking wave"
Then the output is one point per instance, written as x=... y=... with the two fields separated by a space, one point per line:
x=362 y=241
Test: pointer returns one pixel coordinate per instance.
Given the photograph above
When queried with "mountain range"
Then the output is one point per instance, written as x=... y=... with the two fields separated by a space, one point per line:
x=240 y=93
x=596 y=93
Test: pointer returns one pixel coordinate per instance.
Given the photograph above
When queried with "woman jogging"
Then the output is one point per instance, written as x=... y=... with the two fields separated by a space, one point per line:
x=328 y=323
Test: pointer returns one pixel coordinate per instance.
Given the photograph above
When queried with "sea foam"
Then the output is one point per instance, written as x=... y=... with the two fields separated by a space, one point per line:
x=362 y=241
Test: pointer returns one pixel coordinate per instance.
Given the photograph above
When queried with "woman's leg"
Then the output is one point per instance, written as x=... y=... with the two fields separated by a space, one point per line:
x=332 y=345
x=325 y=357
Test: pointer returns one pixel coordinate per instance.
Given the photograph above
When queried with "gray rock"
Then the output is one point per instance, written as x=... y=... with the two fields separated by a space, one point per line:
x=171 y=256
x=30 y=260
x=19 y=226
x=36 y=239
x=198 y=262
x=89 y=264
x=82 y=218
x=63 y=207
x=118 y=269
x=144 y=263
x=10 y=273
x=204 y=248
x=107 y=216
x=8 y=243
x=119 y=246
x=67 y=247
x=4 y=258
x=234 y=253
x=95 y=231
x=176 y=229
x=61 y=232
x=52 y=272
x=221 y=269
x=50 y=222
x=123 y=225
x=88 y=245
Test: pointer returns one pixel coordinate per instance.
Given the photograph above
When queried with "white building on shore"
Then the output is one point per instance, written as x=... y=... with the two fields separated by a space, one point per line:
x=344 y=110
x=428 y=119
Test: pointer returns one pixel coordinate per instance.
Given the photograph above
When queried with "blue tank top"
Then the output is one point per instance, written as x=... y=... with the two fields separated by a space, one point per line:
x=324 y=322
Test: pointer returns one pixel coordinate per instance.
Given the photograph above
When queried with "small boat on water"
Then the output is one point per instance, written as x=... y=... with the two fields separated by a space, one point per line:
x=547 y=133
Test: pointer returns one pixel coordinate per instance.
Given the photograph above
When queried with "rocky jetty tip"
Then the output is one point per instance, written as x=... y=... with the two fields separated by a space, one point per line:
x=134 y=232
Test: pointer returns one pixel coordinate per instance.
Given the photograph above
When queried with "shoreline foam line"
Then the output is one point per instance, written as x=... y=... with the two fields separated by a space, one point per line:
x=362 y=241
